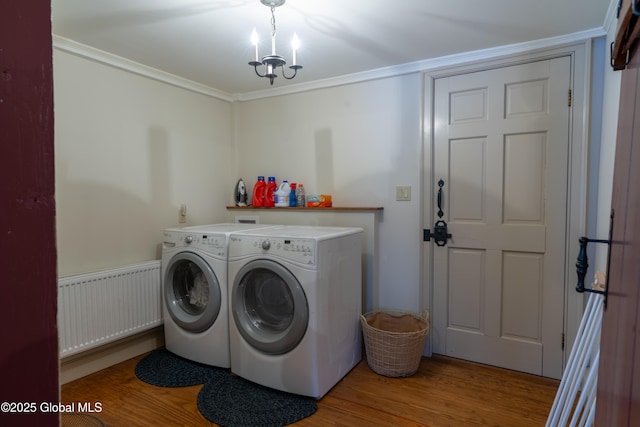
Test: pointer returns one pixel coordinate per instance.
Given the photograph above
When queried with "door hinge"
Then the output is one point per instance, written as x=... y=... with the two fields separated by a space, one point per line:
x=562 y=344
x=569 y=98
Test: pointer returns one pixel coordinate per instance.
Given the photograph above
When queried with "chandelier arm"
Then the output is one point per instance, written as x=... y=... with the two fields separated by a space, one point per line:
x=255 y=67
x=289 y=78
x=295 y=71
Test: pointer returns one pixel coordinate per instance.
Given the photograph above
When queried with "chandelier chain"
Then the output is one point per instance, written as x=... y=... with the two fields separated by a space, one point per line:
x=273 y=22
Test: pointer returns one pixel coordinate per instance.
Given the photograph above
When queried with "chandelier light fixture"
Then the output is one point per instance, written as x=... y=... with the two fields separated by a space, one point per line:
x=269 y=63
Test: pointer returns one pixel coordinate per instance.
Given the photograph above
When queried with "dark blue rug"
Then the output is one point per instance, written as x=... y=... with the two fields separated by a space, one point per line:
x=225 y=399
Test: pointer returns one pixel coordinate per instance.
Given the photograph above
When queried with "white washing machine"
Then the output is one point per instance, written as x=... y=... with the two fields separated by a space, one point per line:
x=194 y=294
x=295 y=299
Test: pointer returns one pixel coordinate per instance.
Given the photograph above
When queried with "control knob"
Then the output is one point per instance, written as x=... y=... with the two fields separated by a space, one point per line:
x=188 y=239
x=266 y=245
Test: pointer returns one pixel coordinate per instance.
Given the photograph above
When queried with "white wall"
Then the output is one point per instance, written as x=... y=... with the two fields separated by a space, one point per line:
x=611 y=99
x=129 y=151
x=356 y=142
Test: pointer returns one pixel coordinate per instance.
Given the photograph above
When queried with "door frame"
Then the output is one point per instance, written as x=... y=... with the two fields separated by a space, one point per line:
x=580 y=54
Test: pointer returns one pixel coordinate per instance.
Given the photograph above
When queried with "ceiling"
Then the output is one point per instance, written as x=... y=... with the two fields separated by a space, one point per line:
x=208 y=41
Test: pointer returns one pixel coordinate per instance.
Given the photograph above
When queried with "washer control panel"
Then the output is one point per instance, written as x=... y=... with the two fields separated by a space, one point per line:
x=294 y=249
x=210 y=243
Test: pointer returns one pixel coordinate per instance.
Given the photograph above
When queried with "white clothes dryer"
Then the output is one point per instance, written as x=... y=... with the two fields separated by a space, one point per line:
x=194 y=291
x=295 y=299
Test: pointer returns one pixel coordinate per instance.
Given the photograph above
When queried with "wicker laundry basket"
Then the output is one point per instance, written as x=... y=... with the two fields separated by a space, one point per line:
x=394 y=341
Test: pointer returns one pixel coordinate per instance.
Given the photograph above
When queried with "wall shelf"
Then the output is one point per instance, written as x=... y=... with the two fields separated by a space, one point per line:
x=315 y=209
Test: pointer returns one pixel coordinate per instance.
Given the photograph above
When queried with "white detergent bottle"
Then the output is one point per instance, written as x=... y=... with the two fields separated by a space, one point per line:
x=282 y=194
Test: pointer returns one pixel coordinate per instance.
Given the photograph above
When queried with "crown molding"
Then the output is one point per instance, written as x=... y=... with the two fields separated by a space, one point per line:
x=422 y=66
x=432 y=64
x=88 y=52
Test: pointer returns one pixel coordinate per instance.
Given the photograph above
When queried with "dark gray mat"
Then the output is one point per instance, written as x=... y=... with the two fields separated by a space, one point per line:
x=225 y=399
x=164 y=369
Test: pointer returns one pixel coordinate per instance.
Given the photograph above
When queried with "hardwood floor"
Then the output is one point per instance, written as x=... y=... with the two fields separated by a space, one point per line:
x=444 y=392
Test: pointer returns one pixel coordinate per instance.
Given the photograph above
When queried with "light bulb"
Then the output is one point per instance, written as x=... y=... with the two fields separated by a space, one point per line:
x=254 y=41
x=295 y=44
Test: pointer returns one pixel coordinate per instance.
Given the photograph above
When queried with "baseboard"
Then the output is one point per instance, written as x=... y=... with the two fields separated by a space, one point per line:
x=83 y=364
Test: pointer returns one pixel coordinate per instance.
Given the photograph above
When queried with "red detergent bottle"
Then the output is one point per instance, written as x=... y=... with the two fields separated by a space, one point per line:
x=258 y=193
x=269 y=192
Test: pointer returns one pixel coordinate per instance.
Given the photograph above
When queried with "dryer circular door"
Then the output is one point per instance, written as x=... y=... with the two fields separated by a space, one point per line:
x=269 y=307
x=192 y=292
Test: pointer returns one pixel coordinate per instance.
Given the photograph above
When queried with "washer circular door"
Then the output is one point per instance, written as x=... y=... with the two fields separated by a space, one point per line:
x=269 y=307
x=191 y=292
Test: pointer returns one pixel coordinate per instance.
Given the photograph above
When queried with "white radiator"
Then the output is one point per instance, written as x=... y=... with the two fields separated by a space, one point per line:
x=105 y=306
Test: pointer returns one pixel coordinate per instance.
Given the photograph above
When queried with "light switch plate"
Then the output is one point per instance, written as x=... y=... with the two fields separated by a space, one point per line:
x=403 y=193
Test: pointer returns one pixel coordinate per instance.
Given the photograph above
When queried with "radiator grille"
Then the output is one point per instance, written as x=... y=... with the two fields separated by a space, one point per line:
x=97 y=308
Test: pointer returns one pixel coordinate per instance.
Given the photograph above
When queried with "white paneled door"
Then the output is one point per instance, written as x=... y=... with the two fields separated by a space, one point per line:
x=501 y=144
